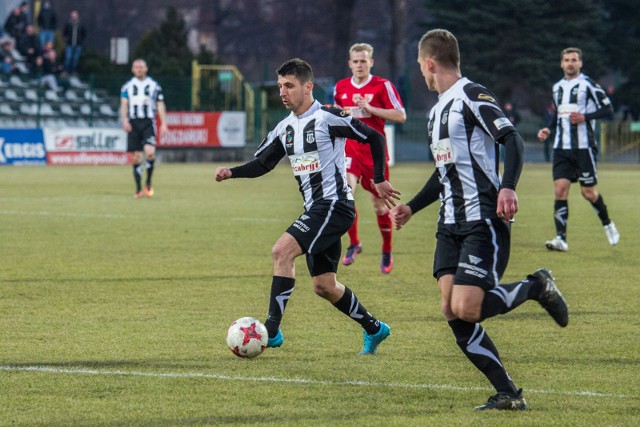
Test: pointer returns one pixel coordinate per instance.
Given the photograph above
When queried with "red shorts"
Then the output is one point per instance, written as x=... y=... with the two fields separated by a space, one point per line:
x=360 y=163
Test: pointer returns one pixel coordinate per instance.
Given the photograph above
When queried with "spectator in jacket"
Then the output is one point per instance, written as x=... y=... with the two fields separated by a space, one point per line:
x=47 y=22
x=74 y=34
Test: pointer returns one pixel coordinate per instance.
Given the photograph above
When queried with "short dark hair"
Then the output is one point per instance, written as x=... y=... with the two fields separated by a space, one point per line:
x=442 y=46
x=572 y=50
x=298 y=68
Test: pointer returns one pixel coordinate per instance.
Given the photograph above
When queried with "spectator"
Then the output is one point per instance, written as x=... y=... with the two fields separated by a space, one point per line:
x=13 y=63
x=28 y=45
x=51 y=70
x=47 y=22
x=512 y=113
x=16 y=22
x=74 y=34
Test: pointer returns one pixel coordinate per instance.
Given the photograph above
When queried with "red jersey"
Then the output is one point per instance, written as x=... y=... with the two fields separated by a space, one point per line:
x=379 y=92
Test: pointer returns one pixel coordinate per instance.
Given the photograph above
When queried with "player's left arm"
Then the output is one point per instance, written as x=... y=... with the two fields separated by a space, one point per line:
x=604 y=108
x=513 y=162
x=162 y=114
x=391 y=108
x=396 y=115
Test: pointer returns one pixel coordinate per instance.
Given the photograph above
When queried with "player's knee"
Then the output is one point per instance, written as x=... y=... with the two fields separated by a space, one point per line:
x=324 y=288
x=466 y=312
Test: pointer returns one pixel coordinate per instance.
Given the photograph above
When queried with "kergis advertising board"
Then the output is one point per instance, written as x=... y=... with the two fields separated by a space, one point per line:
x=206 y=129
x=86 y=146
x=22 y=147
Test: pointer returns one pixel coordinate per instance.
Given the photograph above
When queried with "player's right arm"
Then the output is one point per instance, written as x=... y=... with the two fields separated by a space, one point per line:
x=269 y=154
x=124 y=114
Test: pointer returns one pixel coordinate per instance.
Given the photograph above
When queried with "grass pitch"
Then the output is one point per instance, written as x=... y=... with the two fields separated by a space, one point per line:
x=113 y=311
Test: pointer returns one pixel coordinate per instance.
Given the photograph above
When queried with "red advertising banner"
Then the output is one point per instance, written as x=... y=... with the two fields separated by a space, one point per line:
x=204 y=129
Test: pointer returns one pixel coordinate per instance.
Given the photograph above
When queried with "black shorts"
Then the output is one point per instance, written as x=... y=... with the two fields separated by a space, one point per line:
x=142 y=133
x=476 y=252
x=318 y=232
x=578 y=165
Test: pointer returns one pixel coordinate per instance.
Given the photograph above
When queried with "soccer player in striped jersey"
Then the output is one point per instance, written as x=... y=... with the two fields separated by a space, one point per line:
x=373 y=100
x=579 y=103
x=141 y=99
x=313 y=138
x=465 y=129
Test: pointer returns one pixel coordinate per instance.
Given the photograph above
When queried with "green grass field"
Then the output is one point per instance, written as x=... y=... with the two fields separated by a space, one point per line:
x=113 y=311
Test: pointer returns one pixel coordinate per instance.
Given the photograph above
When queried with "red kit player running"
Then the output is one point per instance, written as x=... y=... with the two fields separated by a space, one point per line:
x=373 y=100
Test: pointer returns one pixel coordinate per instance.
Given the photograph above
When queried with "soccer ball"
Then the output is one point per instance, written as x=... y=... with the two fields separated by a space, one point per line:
x=247 y=337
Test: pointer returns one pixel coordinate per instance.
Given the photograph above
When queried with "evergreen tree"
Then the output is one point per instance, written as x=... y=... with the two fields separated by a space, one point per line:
x=165 y=49
x=513 y=46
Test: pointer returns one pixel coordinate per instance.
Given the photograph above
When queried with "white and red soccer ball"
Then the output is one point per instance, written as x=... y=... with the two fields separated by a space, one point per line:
x=247 y=337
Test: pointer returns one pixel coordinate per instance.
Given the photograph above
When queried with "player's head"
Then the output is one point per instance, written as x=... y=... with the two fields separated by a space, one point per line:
x=295 y=81
x=361 y=60
x=139 y=68
x=571 y=61
x=441 y=46
x=438 y=50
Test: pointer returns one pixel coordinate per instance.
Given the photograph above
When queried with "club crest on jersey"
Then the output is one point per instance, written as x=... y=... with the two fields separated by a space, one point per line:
x=574 y=91
x=445 y=117
x=310 y=137
x=485 y=97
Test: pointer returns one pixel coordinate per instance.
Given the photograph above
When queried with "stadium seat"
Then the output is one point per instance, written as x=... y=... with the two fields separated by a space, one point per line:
x=47 y=110
x=105 y=110
x=12 y=95
x=31 y=95
x=51 y=95
x=67 y=110
x=90 y=95
x=71 y=95
x=6 y=109
x=85 y=109
x=28 y=109
x=16 y=81
x=75 y=82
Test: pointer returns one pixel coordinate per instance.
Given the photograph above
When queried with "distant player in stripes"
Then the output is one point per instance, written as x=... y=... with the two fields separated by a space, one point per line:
x=141 y=99
x=373 y=100
x=312 y=137
x=579 y=103
x=465 y=129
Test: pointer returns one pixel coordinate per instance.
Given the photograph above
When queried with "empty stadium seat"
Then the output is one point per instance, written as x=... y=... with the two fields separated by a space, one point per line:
x=47 y=110
x=31 y=95
x=7 y=110
x=51 y=95
x=85 y=109
x=17 y=82
x=105 y=109
x=12 y=95
x=71 y=95
x=67 y=110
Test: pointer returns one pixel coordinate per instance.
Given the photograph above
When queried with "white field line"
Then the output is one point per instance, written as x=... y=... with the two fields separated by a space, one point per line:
x=81 y=371
x=119 y=216
x=255 y=219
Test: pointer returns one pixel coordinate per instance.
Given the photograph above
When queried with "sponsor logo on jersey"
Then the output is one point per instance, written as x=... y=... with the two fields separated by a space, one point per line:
x=305 y=163
x=485 y=97
x=502 y=122
x=474 y=260
x=442 y=152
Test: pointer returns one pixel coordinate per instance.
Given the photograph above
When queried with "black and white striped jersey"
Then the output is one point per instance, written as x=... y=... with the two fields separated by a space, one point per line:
x=143 y=96
x=462 y=132
x=314 y=143
x=581 y=95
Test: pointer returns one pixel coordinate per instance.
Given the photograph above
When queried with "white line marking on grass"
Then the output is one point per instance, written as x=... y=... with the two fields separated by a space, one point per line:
x=82 y=371
x=71 y=214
